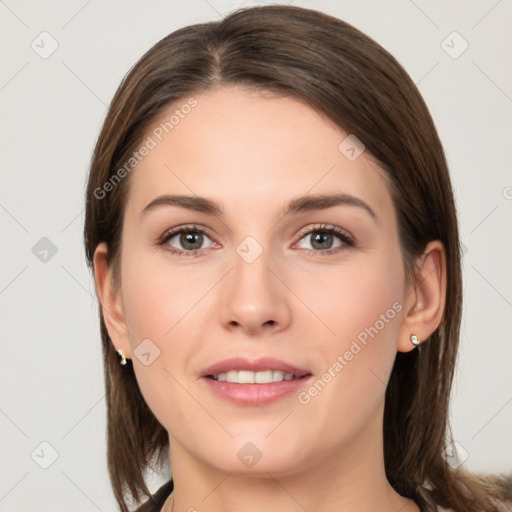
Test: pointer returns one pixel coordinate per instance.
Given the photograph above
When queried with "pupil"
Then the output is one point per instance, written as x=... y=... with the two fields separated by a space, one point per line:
x=189 y=238
x=322 y=238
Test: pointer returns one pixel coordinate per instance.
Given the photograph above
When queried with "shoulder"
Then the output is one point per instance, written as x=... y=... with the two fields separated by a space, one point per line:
x=157 y=500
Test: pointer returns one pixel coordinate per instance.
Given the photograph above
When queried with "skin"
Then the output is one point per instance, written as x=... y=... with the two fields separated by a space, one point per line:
x=252 y=153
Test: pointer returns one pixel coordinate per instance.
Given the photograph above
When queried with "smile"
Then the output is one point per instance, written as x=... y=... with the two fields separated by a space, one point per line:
x=248 y=377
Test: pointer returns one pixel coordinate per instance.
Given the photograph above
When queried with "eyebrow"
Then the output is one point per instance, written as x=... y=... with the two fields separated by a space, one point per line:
x=297 y=205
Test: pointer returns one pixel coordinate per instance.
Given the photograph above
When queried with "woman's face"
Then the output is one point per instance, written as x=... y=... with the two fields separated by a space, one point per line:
x=263 y=277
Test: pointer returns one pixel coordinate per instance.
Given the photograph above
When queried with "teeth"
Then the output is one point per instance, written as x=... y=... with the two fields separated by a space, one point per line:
x=264 y=377
x=248 y=377
x=277 y=376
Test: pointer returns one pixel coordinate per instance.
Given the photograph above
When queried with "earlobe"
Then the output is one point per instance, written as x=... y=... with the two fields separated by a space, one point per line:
x=110 y=301
x=425 y=299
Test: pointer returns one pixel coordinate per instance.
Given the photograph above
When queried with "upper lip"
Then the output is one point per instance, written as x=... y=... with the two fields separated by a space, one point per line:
x=253 y=365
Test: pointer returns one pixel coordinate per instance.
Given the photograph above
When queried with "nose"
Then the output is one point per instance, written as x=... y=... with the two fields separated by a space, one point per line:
x=254 y=298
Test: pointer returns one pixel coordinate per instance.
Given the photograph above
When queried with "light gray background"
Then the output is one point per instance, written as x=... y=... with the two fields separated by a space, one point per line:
x=51 y=387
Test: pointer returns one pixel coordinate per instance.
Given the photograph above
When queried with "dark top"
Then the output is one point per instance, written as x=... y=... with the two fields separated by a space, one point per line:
x=157 y=501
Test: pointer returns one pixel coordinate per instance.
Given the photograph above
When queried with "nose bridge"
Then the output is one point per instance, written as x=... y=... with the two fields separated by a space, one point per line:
x=254 y=298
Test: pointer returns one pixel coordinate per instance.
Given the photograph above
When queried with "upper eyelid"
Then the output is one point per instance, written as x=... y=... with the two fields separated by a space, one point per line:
x=326 y=227
x=176 y=231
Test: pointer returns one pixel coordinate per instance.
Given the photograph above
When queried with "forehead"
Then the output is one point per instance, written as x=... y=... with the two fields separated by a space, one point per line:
x=242 y=146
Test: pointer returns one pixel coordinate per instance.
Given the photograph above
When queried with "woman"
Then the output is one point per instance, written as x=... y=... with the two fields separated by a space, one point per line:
x=273 y=235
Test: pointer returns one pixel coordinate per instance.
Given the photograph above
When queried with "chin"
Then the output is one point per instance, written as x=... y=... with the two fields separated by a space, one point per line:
x=256 y=456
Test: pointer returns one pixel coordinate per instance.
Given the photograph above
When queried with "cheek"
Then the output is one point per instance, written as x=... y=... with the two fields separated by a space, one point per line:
x=158 y=297
x=360 y=297
x=169 y=305
x=359 y=313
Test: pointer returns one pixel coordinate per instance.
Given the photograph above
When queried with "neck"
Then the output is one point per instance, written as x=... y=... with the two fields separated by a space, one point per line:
x=352 y=477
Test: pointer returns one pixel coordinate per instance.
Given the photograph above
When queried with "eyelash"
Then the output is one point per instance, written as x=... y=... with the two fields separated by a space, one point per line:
x=341 y=234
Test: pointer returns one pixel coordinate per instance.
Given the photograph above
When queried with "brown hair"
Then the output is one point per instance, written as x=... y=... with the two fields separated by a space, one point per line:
x=344 y=74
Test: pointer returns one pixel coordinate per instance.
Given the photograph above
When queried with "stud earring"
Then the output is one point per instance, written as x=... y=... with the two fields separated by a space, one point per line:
x=122 y=359
x=414 y=340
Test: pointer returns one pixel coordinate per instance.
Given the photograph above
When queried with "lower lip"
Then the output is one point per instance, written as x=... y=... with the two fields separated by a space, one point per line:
x=255 y=394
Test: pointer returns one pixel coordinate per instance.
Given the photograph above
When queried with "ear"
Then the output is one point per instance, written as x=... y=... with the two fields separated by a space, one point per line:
x=425 y=297
x=110 y=301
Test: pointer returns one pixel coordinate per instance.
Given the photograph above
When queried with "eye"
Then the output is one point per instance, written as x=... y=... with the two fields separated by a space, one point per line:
x=323 y=240
x=189 y=238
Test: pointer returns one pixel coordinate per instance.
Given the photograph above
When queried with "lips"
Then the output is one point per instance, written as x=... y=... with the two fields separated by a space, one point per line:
x=254 y=365
x=245 y=382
